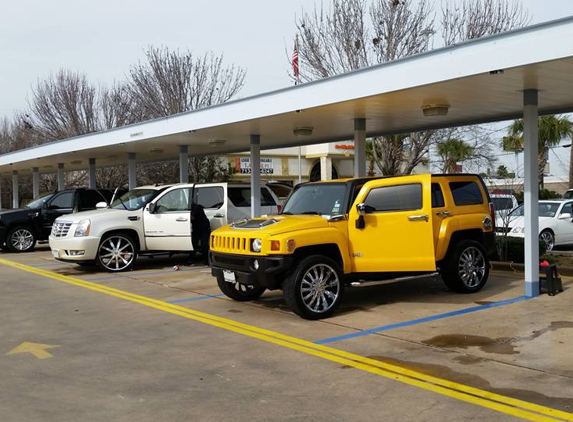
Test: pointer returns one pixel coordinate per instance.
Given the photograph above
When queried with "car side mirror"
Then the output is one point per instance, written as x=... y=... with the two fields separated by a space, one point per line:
x=565 y=216
x=152 y=208
x=361 y=221
x=101 y=205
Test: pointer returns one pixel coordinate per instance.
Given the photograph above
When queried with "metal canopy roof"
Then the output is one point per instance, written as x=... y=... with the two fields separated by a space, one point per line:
x=481 y=81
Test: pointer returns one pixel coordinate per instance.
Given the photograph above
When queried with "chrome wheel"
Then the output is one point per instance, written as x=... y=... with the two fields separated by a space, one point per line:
x=547 y=238
x=320 y=288
x=472 y=267
x=21 y=239
x=117 y=253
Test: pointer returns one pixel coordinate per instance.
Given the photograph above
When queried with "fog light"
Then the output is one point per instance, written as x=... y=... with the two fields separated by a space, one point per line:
x=75 y=253
x=256 y=264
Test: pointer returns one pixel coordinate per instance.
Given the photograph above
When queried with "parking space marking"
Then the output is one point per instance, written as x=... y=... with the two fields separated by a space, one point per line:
x=486 y=399
x=192 y=299
x=421 y=320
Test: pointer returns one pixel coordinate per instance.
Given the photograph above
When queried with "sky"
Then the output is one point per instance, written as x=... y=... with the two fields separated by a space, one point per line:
x=103 y=38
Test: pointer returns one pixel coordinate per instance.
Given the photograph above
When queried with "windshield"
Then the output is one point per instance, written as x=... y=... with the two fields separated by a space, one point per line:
x=134 y=199
x=39 y=202
x=321 y=199
x=546 y=209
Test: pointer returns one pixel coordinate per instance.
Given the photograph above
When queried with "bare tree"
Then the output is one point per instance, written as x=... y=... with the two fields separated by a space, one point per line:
x=351 y=34
x=470 y=19
x=171 y=82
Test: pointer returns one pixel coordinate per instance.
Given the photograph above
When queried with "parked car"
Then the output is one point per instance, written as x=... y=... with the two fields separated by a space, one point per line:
x=503 y=204
x=231 y=201
x=568 y=194
x=555 y=223
x=21 y=228
x=148 y=220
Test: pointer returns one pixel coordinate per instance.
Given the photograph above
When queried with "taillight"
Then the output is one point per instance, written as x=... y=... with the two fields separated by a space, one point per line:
x=279 y=208
x=492 y=214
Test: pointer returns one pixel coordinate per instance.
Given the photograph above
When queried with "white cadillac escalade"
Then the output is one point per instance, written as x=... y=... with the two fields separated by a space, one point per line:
x=149 y=219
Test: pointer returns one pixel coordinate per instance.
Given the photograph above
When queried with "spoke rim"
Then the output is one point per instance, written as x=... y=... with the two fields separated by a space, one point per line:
x=548 y=239
x=119 y=256
x=320 y=288
x=472 y=267
x=22 y=239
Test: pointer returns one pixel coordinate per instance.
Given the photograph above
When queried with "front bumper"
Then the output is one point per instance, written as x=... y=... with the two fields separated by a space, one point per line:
x=63 y=248
x=270 y=273
x=3 y=234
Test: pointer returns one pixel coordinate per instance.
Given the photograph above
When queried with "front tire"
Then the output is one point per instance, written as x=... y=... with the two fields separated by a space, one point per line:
x=466 y=268
x=315 y=288
x=21 y=239
x=116 y=252
x=239 y=292
x=548 y=238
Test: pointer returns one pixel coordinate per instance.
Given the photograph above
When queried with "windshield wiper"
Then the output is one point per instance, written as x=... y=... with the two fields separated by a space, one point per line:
x=311 y=212
x=286 y=213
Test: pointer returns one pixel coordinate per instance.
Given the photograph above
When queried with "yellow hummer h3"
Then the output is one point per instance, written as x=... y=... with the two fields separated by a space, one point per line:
x=354 y=232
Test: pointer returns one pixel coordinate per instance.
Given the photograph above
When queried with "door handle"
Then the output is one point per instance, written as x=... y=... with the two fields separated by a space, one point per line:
x=219 y=215
x=443 y=213
x=181 y=219
x=418 y=218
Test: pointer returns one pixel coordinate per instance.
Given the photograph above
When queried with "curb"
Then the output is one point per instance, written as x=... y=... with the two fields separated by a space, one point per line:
x=511 y=266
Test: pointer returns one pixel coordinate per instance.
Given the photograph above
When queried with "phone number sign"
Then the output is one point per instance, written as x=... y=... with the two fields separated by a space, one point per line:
x=245 y=165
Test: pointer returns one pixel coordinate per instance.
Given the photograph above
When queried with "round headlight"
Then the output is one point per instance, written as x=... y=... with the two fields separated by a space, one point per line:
x=256 y=245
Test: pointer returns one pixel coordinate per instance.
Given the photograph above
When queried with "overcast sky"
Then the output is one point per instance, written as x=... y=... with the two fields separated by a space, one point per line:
x=103 y=38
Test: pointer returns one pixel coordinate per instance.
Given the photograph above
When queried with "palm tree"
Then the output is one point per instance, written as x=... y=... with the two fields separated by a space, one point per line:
x=551 y=130
x=453 y=151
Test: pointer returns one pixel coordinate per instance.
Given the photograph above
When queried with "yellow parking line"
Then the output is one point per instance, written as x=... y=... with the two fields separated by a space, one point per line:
x=503 y=404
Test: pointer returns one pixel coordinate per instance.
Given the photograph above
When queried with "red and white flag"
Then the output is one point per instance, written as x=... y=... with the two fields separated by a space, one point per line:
x=295 y=69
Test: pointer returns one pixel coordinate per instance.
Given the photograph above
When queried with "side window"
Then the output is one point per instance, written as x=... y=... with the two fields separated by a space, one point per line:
x=395 y=198
x=267 y=199
x=566 y=209
x=241 y=197
x=64 y=200
x=437 y=196
x=466 y=193
x=210 y=197
x=88 y=199
x=174 y=201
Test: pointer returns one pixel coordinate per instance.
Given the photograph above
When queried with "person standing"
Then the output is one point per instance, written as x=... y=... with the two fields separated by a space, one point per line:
x=200 y=232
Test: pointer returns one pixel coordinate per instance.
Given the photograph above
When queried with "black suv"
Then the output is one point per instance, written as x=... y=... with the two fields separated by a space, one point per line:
x=21 y=228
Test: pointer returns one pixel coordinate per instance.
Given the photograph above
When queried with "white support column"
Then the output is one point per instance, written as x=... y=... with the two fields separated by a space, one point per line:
x=61 y=180
x=92 y=173
x=359 y=147
x=183 y=164
x=0 y=193
x=131 y=170
x=255 y=175
x=325 y=168
x=35 y=182
x=531 y=192
x=15 y=200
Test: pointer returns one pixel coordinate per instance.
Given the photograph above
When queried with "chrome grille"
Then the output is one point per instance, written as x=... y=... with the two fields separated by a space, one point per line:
x=61 y=228
x=230 y=243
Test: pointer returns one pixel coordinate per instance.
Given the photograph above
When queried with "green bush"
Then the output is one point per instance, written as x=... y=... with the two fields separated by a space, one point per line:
x=513 y=248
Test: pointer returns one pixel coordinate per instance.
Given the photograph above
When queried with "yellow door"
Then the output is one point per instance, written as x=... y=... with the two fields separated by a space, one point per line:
x=397 y=230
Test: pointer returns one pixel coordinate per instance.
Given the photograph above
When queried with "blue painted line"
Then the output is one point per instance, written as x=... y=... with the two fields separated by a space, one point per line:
x=422 y=320
x=191 y=299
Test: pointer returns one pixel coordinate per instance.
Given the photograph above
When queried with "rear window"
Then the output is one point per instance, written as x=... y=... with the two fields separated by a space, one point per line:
x=395 y=198
x=241 y=197
x=466 y=193
x=502 y=203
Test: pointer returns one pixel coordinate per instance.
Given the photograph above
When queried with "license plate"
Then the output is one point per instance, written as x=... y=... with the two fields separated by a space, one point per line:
x=229 y=276
x=56 y=253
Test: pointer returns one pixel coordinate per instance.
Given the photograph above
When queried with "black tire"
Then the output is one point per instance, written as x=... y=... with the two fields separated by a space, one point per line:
x=548 y=237
x=314 y=289
x=21 y=239
x=239 y=292
x=466 y=267
x=116 y=252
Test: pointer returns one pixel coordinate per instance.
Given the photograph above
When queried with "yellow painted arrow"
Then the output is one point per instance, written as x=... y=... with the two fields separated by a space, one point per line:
x=37 y=349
